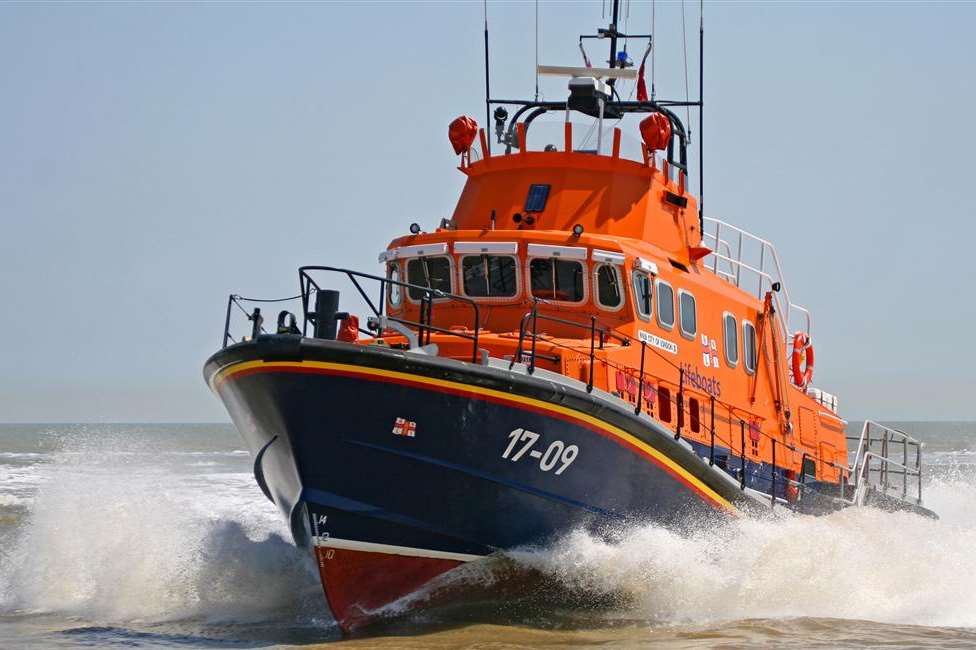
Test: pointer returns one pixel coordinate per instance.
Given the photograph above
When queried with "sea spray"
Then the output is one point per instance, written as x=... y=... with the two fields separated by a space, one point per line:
x=118 y=532
x=119 y=527
x=856 y=564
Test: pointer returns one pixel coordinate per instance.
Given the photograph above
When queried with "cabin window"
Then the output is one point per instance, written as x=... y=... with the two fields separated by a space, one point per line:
x=643 y=294
x=730 y=328
x=694 y=415
x=394 y=292
x=431 y=272
x=556 y=279
x=689 y=317
x=489 y=276
x=609 y=292
x=665 y=305
x=749 y=346
x=664 y=404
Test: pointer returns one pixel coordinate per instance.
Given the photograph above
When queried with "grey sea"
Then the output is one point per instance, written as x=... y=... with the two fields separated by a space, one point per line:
x=156 y=536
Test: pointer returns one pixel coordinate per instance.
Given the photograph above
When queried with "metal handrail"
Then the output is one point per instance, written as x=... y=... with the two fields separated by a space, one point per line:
x=534 y=316
x=860 y=468
x=255 y=318
x=424 y=326
x=736 y=266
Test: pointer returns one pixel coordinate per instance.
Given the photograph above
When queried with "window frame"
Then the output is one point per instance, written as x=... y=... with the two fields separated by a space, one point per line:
x=452 y=275
x=725 y=339
x=657 y=296
x=491 y=299
x=553 y=301
x=681 y=325
x=620 y=285
x=633 y=287
x=755 y=360
x=390 y=266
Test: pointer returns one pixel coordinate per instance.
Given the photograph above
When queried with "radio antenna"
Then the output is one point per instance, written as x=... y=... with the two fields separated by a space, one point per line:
x=701 y=117
x=487 y=84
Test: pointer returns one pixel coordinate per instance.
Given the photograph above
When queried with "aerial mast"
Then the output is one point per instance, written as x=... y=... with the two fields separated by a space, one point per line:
x=701 y=117
x=613 y=38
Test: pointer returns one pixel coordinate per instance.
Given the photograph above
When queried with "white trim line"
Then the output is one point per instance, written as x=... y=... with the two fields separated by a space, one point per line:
x=421 y=250
x=608 y=257
x=497 y=247
x=562 y=252
x=372 y=547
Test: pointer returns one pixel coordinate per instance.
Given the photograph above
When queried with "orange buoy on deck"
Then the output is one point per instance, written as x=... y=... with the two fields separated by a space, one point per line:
x=802 y=360
x=461 y=133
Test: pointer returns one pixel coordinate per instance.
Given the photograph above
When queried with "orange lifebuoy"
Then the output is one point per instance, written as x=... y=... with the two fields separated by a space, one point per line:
x=802 y=352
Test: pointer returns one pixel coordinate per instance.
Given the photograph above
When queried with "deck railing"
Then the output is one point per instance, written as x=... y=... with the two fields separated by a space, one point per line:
x=883 y=454
x=876 y=465
x=424 y=326
x=763 y=268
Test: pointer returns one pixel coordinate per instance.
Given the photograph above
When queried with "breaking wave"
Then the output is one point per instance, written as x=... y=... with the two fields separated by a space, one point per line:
x=113 y=539
x=854 y=564
x=117 y=531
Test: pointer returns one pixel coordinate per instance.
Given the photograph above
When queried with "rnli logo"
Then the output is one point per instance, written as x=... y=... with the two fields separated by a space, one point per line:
x=405 y=428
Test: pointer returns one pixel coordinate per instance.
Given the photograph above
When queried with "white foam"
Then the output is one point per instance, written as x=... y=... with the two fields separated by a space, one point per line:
x=11 y=500
x=139 y=541
x=854 y=564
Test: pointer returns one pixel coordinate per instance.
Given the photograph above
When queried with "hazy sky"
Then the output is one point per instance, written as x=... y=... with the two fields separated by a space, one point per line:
x=155 y=157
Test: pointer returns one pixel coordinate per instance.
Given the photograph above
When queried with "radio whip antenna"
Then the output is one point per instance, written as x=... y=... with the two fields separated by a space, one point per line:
x=487 y=82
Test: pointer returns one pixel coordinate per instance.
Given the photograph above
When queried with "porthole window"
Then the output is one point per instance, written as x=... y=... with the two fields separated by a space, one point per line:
x=730 y=329
x=555 y=279
x=688 y=313
x=665 y=305
x=749 y=346
x=643 y=294
x=609 y=292
x=489 y=276
x=394 y=292
x=431 y=272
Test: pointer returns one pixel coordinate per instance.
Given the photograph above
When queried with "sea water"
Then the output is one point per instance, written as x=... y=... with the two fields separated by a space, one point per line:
x=157 y=536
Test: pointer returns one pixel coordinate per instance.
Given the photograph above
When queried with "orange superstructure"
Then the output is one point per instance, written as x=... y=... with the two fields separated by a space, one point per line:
x=640 y=228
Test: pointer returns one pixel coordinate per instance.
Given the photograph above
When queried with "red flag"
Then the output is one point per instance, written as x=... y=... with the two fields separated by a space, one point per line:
x=641 y=86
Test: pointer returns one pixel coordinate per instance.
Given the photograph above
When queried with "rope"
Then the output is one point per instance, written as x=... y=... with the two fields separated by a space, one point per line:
x=236 y=297
x=249 y=317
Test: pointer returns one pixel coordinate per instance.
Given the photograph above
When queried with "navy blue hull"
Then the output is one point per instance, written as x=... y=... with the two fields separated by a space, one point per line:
x=391 y=450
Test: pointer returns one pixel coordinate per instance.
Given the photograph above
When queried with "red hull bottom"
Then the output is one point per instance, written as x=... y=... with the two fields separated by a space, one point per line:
x=359 y=584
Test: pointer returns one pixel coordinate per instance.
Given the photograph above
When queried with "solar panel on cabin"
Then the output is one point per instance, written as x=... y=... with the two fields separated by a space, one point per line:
x=536 y=200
